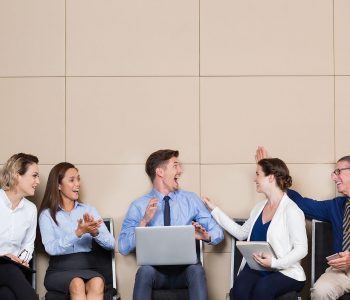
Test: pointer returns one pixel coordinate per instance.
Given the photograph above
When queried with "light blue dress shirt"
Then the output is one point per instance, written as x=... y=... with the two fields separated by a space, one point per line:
x=184 y=207
x=62 y=239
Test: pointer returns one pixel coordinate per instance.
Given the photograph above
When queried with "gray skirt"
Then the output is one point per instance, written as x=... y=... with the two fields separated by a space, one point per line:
x=63 y=268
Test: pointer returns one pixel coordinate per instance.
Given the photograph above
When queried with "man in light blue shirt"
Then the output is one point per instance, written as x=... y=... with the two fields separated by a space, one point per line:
x=186 y=208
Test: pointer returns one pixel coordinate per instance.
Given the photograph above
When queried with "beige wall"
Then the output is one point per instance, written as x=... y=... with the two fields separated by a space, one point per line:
x=102 y=84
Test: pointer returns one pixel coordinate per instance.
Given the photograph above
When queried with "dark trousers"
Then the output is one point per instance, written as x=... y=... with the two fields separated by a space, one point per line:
x=14 y=285
x=253 y=285
x=171 y=277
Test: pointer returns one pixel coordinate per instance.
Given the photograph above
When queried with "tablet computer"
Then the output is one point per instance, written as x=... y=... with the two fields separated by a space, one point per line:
x=248 y=248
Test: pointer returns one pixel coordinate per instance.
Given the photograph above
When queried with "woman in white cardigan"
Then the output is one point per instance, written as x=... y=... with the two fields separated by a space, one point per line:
x=277 y=220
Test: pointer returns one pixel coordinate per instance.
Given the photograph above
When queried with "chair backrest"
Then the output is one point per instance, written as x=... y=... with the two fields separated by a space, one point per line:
x=236 y=256
x=32 y=264
x=199 y=250
x=106 y=259
x=321 y=247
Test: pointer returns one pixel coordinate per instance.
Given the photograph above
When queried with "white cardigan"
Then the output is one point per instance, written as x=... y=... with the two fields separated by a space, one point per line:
x=286 y=235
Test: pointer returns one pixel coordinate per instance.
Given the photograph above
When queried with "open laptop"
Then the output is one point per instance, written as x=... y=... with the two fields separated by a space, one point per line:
x=165 y=245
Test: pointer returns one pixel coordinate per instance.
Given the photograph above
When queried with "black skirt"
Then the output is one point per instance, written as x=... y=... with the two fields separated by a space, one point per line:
x=63 y=268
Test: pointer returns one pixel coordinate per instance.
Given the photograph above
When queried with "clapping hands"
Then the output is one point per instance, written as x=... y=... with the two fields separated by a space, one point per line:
x=88 y=224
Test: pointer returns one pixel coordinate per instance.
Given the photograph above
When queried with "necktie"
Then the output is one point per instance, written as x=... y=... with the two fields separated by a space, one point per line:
x=166 y=211
x=346 y=226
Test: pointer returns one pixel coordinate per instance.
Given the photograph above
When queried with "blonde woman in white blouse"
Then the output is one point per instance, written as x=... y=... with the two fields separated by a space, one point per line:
x=19 y=178
x=277 y=220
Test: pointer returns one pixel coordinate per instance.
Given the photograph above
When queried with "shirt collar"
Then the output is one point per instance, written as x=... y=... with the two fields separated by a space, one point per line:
x=76 y=203
x=160 y=196
x=8 y=202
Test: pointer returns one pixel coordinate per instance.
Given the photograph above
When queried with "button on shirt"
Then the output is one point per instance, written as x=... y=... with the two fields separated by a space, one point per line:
x=62 y=239
x=184 y=208
x=17 y=226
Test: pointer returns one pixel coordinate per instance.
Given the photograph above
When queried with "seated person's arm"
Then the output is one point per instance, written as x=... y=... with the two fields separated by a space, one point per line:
x=298 y=238
x=126 y=240
x=103 y=237
x=312 y=209
x=205 y=219
x=28 y=241
x=52 y=244
x=240 y=232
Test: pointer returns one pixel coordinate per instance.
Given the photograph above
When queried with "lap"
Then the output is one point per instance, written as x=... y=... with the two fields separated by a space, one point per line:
x=60 y=281
x=63 y=269
x=8 y=270
x=169 y=277
x=10 y=273
x=251 y=284
x=333 y=281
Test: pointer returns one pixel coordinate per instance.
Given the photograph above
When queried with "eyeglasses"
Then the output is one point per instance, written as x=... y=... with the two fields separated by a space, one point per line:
x=24 y=255
x=338 y=171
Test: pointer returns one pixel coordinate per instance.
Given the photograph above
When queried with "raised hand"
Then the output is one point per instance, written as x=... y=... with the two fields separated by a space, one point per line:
x=200 y=232
x=150 y=211
x=208 y=203
x=260 y=153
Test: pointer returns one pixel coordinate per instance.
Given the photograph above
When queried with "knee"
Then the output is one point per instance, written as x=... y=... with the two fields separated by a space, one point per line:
x=324 y=289
x=145 y=273
x=321 y=292
x=77 y=286
x=196 y=271
x=95 y=285
x=195 y=275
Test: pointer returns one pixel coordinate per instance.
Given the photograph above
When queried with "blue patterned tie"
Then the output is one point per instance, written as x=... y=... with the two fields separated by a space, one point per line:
x=166 y=211
x=346 y=226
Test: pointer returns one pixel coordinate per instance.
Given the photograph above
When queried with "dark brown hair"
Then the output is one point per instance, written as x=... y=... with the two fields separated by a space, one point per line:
x=158 y=158
x=16 y=164
x=276 y=167
x=52 y=197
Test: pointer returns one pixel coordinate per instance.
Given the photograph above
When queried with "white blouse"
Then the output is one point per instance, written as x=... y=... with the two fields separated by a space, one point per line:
x=17 y=226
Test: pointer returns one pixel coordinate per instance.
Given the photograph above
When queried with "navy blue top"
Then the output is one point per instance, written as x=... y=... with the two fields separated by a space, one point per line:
x=259 y=230
x=259 y=233
x=331 y=211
